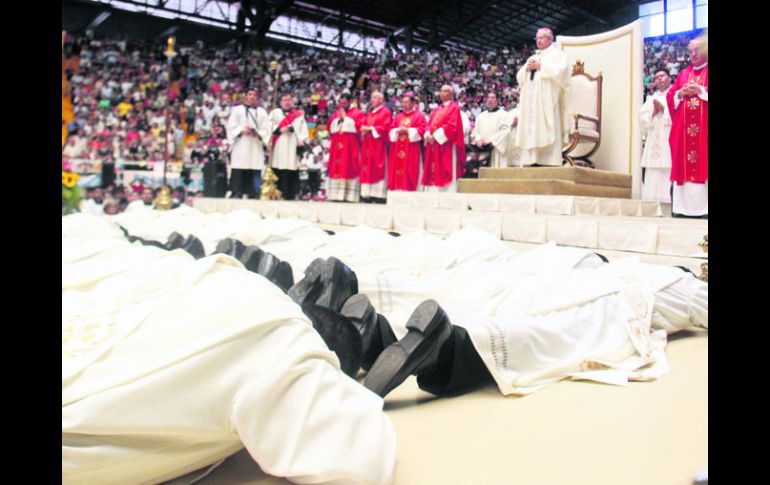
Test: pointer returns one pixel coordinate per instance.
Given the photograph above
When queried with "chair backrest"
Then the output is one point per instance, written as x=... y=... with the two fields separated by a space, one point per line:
x=586 y=94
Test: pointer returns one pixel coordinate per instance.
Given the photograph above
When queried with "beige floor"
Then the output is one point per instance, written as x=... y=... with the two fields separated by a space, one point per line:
x=570 y=433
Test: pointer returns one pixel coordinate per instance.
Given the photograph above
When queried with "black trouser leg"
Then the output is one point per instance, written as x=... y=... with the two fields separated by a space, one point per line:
x=292 y=185
x=460 y=368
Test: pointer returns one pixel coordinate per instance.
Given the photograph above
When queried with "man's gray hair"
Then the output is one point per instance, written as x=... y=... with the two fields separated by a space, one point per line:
x=546 y=30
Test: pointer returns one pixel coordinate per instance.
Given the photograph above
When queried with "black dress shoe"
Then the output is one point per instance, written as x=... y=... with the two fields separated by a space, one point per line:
x=339 y=334
x=308 y=289
x=175 y=241
x=283 y=276
x=250 y=257
x=194 y=246
x=383 y=339
x=231 y=247
x=361 y=313
x=429 y=328
x=339 y=283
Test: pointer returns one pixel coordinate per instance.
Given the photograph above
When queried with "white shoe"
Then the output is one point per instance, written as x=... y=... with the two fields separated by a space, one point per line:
x=244 y=196
x=229 y=194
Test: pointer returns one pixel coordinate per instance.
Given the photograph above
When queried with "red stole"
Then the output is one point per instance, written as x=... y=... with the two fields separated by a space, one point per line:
x=287 y=121
x=404 y=161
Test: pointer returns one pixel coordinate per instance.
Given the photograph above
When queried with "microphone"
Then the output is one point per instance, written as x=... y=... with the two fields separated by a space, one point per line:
x=537 y=58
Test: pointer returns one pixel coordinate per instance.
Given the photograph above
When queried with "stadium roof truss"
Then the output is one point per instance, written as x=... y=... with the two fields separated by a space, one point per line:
x=370 y=25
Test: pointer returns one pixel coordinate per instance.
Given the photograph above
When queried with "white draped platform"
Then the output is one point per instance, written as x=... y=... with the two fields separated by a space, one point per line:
x=603 y=224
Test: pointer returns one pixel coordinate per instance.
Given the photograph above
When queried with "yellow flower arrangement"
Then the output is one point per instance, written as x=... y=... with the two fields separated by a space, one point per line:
x=69 y=179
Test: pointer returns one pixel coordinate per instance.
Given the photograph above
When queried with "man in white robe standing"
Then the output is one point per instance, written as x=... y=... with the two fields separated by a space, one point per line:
x=248 y=131
x=492 y=130
x=544 y=120
x=290 y=133
x=655 y=124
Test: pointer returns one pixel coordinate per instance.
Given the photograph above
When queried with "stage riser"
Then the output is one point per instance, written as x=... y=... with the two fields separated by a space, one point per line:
x=578 y=175
x=540 y=187
x=654 y=236
x=565 y=205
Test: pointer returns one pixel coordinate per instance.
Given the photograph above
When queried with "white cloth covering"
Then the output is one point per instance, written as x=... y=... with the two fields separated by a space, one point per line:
x=156 y=384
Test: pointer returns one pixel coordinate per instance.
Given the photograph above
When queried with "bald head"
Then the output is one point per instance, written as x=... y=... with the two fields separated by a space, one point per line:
x=695 y=49
x=544 y=38
x=377 y=99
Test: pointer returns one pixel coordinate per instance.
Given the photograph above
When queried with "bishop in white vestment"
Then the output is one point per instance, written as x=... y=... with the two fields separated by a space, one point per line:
x=544 y=120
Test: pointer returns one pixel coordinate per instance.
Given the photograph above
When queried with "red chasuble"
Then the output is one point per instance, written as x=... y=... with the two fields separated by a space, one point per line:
x=404 y=161
x=374 y=151
x=689 y=130
x=345 y=153
x=438 y=158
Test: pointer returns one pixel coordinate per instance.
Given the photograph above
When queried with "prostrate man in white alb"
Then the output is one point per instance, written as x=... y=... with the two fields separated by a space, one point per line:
x=248 y=131
x=543 y=119
x=655 y=124
x=171 y=364
x=290 y=134
x=492 y=130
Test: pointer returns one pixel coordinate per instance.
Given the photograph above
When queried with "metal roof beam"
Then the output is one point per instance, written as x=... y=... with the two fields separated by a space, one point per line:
x=463 y=23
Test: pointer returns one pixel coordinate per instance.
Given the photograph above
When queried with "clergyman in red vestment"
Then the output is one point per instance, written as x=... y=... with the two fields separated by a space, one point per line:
x=688 y=103
x=405 y=148
x=374 y=149
x=345 y=151
x=444 y=145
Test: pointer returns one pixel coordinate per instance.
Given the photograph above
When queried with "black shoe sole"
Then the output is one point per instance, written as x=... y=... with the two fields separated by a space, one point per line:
x=416 y=352
x=360 y=311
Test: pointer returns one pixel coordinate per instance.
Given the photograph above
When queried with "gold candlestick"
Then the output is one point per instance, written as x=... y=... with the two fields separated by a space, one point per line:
x=704 y=267
x=269 y=191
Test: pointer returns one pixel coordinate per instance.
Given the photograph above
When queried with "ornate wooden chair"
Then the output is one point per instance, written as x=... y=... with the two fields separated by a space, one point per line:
x=586 y=107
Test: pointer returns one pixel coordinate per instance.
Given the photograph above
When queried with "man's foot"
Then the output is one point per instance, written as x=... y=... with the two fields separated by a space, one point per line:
x=361 y=313
x=175 y=241
x=429 y=329
x=339 y=334
x=277 y=271
x=339 y=284
x=228 y=194
x=308 y=288
x=194 y=246
x=326 y=283
x=231 y=247
x=250 y=257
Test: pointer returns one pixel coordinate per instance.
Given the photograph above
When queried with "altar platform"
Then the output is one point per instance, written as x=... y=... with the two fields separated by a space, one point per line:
x=577 y=181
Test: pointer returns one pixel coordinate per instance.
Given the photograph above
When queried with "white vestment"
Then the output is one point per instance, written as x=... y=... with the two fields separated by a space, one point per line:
x=656 y=157
x=285 y=150
x=248 y=151
x=495 y=128
x=172 y=364
x=544 y=121
x=535 y=317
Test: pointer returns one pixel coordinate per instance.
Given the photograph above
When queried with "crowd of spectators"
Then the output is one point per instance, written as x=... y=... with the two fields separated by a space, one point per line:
x=668 y=53
x=119 y=90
